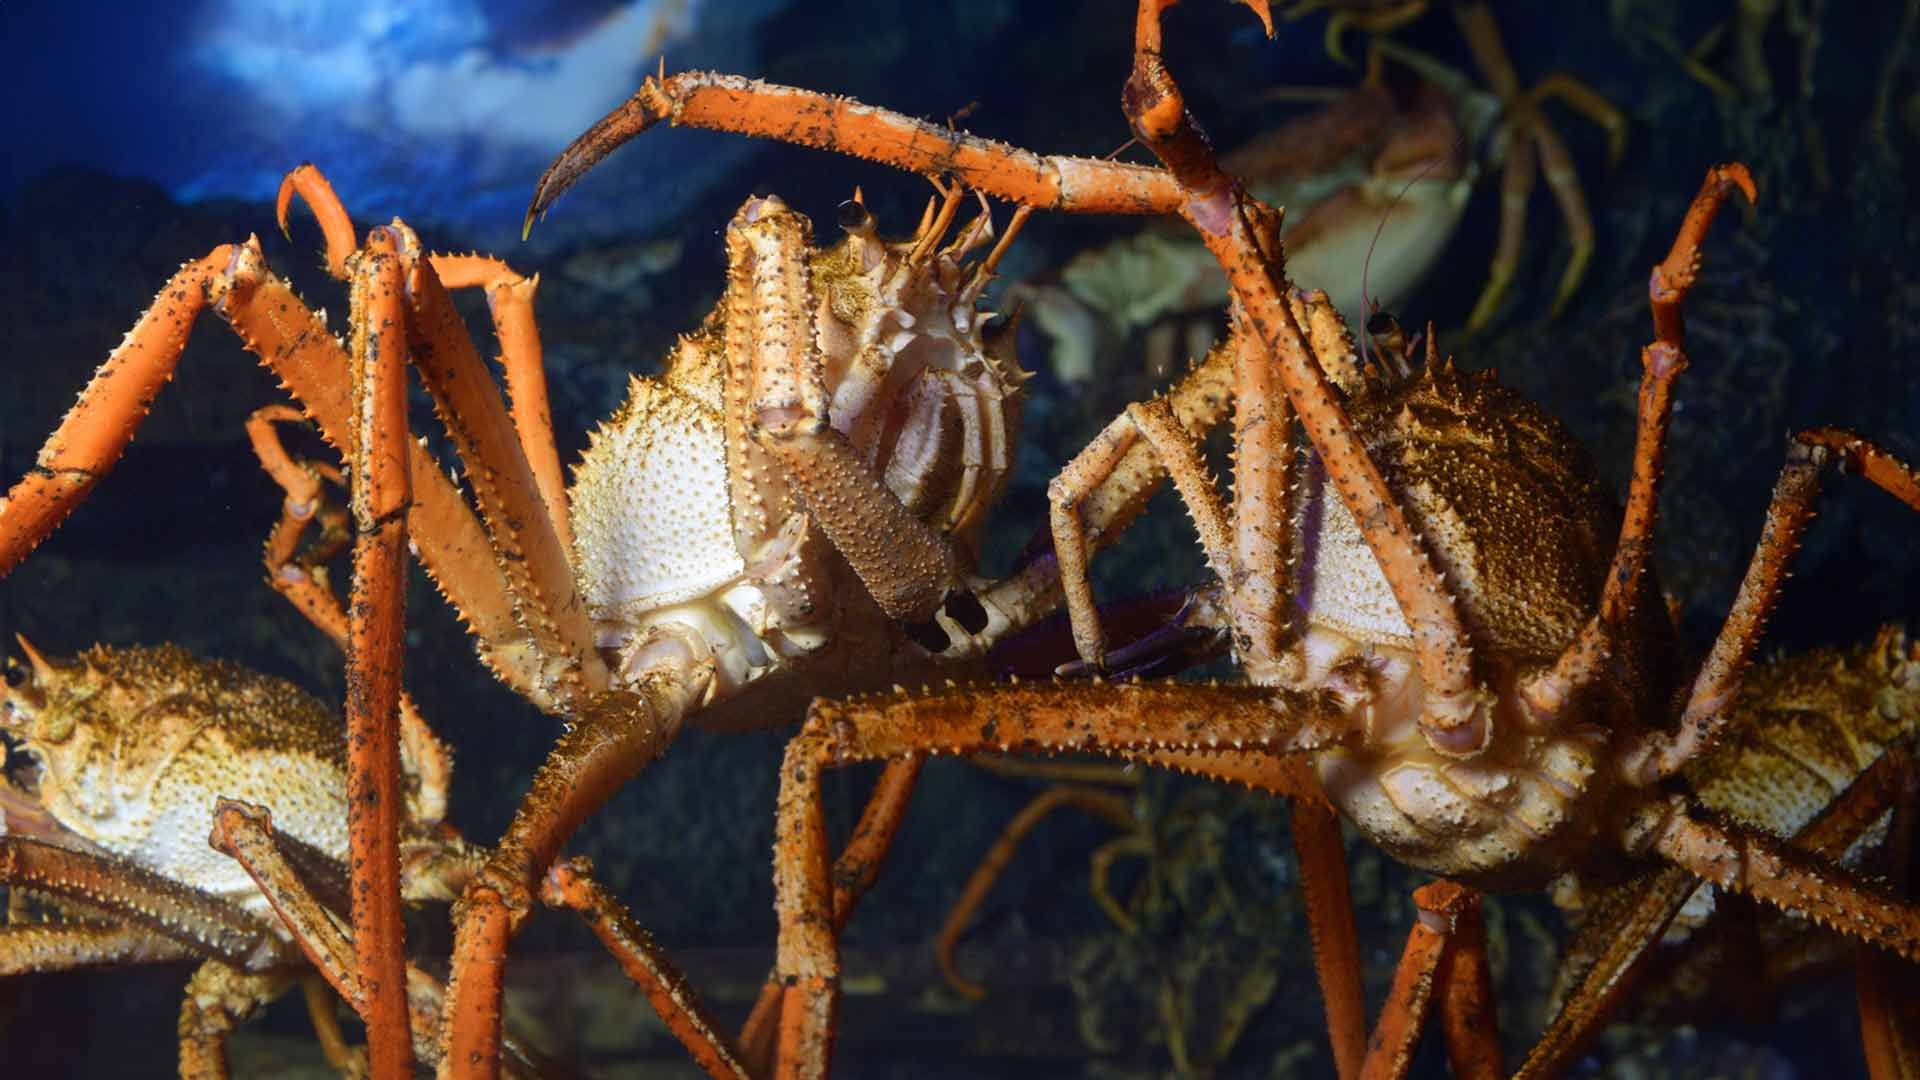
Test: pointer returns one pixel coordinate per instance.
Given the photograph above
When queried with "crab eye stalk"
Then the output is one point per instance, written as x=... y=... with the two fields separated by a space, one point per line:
x=855 y=218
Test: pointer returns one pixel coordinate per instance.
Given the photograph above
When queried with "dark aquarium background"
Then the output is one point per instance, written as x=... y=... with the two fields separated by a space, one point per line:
x=140 y=136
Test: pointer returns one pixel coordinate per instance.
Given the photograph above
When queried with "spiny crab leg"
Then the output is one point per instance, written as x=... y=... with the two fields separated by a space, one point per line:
x=1788 y=515
x=613 y=735
x=853 y=874
x=1445 y=959
x=826 y=122
x=138 y=897
x=375 y=642
x=93 y=434
x=1630 y=918
x=510 y=302
x=277 y=326
x=301 y=578
x=1231 y=223
x=1662 y=361
x=549 y=656
x=246 y=834
x=569 y=884
x=1236 y=732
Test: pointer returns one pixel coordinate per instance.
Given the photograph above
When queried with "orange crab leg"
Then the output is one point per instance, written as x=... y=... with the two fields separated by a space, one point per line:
x=1888 y=991
x=807 y=118
x=1788 y=514
x=1127 y=720
x=1330 y=922
x=302 y=581
x=1635 y=914
x=613 y=735
x=853 y=874
x=1404 y=1016
x=140 y=897
x=569 y=884
x=525 y=541
x=522 y=539
x=336 y=226
x=510 y=301
x=1114 y=809
x=1661 y=362
x=1231 y=224
x=1768 y=869
x=95 y=432
x=287 y=336
x=375 y=642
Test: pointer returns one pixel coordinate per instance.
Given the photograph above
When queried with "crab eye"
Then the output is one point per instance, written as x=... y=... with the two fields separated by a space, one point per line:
x=1380 y=322
x=16 y=675
x=854 y=216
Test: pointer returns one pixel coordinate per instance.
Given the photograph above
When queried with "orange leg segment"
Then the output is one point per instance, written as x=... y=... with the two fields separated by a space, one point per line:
x=806 y=118
x=1225 y=724
x=93 y=435
x=1112 y=808
x=1232 y=225
x=1336 y=941
x=853 y=874
x=570 y=885
x=375 y=640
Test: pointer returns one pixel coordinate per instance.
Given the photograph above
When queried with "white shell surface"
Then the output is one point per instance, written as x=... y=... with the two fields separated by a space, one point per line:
x=650 y=506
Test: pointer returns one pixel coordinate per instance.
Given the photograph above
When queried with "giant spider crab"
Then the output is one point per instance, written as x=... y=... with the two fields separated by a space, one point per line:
x=797 y=493
x=1480 y=671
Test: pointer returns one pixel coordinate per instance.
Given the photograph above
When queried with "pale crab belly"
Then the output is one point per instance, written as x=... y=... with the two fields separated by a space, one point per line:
x=1512 y=818
x=166 y=830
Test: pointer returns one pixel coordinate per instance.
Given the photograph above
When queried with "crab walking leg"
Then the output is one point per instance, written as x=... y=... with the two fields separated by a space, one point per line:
x=544 y=647
x=1112 y=808
x=1404 y=1015
x=1628 y=923
x=1630 y=918
x=336 y=226
x=1127 y=720
x=510 y=302
x=853 y=874
x=219 y=999
x=1330 y=923
x=787 y=114
x=375 y=642
x=1771 y=870
x=1454 y=713
x=1588 y=654
x=137 y=896
x=1885 y=988
x=526 y=543
x=300 y=578
x=1788 y=515
x=569 y=884
x=613 y=736
x=94 y=433
x=245 y=833
x=1468 y=1015
x=1445 y=964
x=41 y=947
x=279 y=328
x=1108 y=482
